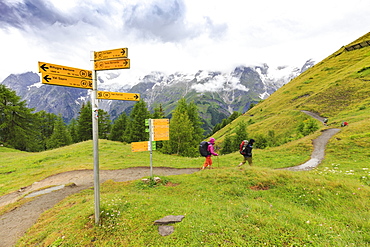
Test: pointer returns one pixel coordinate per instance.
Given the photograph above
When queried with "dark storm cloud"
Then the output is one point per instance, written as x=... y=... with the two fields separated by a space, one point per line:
x=33 y=13
x=162 y=20
x=165 y=21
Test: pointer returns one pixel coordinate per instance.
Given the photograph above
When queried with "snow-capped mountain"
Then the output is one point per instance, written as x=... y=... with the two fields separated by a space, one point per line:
x=217 y=94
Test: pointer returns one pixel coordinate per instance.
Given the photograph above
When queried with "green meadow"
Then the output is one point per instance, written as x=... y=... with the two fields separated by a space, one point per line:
x=224 y=206
x=261 y=205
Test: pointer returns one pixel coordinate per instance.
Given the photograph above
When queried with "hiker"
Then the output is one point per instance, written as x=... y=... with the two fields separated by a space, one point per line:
x=210 y=150
x=325 y=121
x=246 y=150
x=344 y=124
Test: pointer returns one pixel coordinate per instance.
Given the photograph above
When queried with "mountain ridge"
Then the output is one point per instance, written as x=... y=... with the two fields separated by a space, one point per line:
x=217 y=94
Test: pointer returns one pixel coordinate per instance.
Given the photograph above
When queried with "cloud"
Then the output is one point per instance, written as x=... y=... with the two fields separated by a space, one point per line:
x=176 y=35
x=165 y=20
x=31 y=14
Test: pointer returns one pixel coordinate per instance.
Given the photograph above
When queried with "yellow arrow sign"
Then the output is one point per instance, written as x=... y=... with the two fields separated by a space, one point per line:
x=161 y=136
x=64 y=70
x=139 y=146
x=109 y=54
x=164 y=121
x=118 y=96
x=112 y=64
x=66 y=81
x=160 y=130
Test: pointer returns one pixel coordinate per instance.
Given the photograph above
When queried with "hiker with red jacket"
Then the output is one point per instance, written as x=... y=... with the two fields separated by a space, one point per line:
x=210 y=150
x=246 y=150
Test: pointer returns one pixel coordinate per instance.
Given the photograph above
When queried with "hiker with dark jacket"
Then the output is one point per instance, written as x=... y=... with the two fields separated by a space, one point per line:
x=246 y=150
x=210 y=149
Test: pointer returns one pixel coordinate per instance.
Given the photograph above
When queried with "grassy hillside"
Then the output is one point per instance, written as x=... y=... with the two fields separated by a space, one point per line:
x=336 y=88
x=229 y=206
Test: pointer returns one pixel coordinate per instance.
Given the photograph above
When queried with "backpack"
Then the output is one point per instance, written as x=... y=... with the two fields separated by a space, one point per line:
x=203 y=149
x=243 y=149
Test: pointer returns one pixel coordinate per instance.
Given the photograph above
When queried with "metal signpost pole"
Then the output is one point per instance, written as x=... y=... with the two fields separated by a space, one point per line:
x=73 y=77
x=151 y=145
x=95 y=110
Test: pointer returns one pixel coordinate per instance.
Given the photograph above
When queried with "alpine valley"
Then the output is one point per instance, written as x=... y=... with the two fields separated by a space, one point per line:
x=217 y=94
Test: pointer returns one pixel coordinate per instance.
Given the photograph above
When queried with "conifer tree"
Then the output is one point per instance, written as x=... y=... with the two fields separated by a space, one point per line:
x=193 y=114
x=104 y=124
x=73 y=130
x=227 y=145
x=181 y=140
x=135 y=130
x=118 y=128
x=84 y=126
x=17 y=123
x=60 y=137
x=45 y=124
x=240 y=135
x=185 y=130
x=158 y=112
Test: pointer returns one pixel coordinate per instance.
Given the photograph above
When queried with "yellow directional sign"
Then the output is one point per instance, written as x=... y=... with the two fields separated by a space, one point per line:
x=64 y=70
x=161 y=129
x=139 y=146
x=161 y=136
x=118 y=96
x=66 y=81
x=112 y=64
x=164 y=121
x=109 y=54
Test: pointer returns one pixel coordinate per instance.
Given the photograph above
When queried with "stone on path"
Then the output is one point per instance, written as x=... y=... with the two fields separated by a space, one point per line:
x=169 y=219
x=163 y=228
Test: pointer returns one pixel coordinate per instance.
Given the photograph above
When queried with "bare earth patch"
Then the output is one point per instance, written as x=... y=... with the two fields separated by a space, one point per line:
x=15 y=223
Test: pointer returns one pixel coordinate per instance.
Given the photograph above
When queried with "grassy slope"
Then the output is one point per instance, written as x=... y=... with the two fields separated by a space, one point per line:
x=229 y=206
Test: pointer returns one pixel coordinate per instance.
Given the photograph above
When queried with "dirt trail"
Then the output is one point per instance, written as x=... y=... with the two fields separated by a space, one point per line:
x=319 y=145
x=318 y=153
x=15 y=223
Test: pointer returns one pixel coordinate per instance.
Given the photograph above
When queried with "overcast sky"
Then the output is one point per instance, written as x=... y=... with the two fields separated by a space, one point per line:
x=176 y=35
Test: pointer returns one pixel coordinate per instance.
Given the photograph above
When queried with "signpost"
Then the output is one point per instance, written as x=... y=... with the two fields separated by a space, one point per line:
x=140 y=146
x=105 y=60
x=73 y=77
x=112 y=64
x=109 y=54
x=118 y=96
x=66 y=81
x=50 y=68
x=161 y=129
x=158 y=131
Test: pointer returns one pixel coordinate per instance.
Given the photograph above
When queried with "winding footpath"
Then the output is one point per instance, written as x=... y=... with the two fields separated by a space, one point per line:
x=15 y=223
x=319 y=145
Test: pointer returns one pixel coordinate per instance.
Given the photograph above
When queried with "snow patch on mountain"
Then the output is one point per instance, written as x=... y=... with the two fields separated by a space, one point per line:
x=203 y=80
x=36 y=85
x=117 y=81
